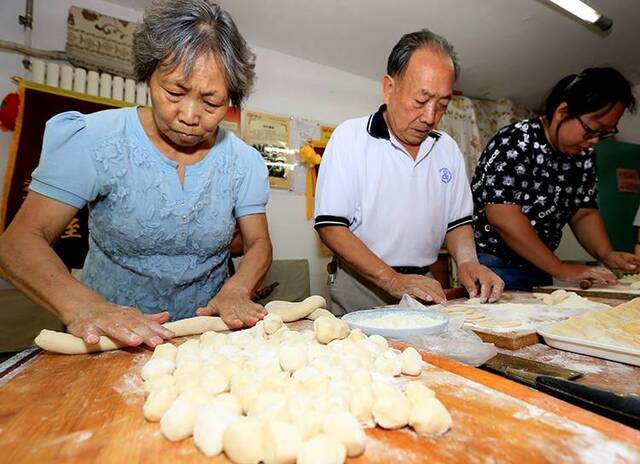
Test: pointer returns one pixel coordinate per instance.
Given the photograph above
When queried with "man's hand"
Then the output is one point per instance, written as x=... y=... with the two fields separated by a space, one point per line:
x=418 y=286
x=474 y=276
x=124 y=324
x=234 y=306
x=619 y=261
x=579 y=272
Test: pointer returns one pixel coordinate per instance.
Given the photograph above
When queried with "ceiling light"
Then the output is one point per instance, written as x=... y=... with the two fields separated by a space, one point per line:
x=583 y=11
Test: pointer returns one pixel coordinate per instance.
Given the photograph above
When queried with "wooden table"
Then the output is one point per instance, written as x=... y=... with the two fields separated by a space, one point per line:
x=88 y=408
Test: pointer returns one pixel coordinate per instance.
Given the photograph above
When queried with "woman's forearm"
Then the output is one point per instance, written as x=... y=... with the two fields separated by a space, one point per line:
x=588 y=227
x=35 y=269
x=254 y=265
x=514 y=228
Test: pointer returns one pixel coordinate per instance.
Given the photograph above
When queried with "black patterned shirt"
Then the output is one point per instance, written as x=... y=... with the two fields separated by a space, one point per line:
x=519 y=166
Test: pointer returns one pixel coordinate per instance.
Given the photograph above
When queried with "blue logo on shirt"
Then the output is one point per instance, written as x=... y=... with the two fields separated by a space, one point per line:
x=445 y=175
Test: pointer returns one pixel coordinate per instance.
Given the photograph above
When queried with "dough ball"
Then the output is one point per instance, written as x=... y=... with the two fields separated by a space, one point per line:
x=310 y=379
x=240 y=338
x=214 y=381
x=282 y=442
x=411 y=361
x=269 y=406
x=209 y=427
x=272 y=322
x=322 y=449
x=158 y=402
x=329 y=328
x=165 y=351
x=357 y=335
x=243 y=443
x=189 y=348
x=360 y=377
x=156 y=367
x=309 y=423
x=245 y=388
x=187 y=377
x=377 y=344
x=292 y=357
x=212 y=340
x=388 y=363
x=559 y=296
x=417 y=391
x=177 y=423
x=196 y=396
x=361 y=405
x=429 y=417
x=347 y=430
x=259 y=333
x=160 y=381
x=319 y=313
x=228 y=401
x=391 y=408
x=276 y=382
x=279 y=334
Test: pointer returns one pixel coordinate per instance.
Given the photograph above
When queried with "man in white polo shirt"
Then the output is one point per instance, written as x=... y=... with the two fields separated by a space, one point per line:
x=392 y=190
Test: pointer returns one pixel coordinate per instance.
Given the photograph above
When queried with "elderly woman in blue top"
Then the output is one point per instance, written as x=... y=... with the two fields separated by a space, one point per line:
x=165 y=186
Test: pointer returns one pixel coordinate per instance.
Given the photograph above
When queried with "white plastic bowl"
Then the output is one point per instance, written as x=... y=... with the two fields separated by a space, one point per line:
x=435 y=322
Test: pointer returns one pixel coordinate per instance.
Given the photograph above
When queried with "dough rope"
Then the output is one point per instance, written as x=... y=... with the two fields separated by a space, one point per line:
x=65 y=343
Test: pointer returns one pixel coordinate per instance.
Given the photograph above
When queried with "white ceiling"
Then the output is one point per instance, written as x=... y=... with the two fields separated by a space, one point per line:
x=509 y=48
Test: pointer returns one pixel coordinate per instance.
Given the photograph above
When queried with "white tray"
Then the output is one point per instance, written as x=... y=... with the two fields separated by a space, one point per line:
x=599 y=350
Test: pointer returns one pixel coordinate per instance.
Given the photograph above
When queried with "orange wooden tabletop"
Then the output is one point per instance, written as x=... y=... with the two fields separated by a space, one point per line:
x=88 y=408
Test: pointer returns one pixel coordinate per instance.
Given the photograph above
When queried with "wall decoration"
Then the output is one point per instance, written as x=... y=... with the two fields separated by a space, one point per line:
x=271 y=136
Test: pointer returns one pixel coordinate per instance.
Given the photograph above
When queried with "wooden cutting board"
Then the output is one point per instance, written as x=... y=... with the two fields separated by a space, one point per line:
x=88 y=408
x=510 y=340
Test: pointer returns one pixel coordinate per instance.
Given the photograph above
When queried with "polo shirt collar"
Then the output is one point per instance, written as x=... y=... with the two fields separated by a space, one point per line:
x=377 y=126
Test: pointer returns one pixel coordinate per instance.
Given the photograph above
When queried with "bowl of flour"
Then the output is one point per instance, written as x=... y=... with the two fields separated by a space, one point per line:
x=397 y=322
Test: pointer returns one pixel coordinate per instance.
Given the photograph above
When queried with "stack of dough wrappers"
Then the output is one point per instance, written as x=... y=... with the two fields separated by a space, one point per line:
x=618 y=326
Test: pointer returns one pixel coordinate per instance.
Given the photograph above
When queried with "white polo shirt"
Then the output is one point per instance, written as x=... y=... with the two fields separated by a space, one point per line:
x=399 y=207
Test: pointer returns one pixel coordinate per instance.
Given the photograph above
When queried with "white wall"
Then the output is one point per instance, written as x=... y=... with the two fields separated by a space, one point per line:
x=285 y=85
x=291 y=86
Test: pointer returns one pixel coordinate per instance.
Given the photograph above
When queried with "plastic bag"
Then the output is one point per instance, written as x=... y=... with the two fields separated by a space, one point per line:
x=456 y=343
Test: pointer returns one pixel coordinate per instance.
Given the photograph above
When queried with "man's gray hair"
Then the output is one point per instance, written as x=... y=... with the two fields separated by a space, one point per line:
x=409 y=43
x=178 y=32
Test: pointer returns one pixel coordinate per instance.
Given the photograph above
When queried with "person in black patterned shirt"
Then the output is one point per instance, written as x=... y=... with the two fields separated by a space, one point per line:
x=539 y=174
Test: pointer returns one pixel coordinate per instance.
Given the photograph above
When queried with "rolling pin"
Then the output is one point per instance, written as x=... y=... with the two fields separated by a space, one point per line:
x=585 y=284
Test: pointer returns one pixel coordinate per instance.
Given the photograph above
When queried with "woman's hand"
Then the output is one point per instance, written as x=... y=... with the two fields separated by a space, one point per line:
x=619 y=261
x=579 y=272
x=233 y=304
x=121 y=323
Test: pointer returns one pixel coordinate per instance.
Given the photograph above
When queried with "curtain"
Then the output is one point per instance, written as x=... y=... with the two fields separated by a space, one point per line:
x=472 y=123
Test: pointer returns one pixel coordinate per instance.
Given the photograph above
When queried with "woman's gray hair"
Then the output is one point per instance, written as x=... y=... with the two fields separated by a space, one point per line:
x=409 y=43
x=178 y=32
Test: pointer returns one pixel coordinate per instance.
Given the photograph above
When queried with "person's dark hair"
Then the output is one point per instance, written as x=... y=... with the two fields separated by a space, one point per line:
x=401 y=54
x=591 y=90
x=178 y=32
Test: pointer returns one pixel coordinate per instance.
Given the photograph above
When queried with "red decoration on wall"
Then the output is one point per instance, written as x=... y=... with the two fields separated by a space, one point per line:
x=628 y=180
x=9 y=111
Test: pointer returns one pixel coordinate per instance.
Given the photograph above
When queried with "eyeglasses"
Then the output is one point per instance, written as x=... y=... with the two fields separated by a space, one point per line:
x=590 y=133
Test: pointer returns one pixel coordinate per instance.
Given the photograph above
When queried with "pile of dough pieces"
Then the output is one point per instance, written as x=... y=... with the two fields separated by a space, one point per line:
x=479 y=319
x=614 y=326
x=563 y=299
x=273 y=395
x=633 y=280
